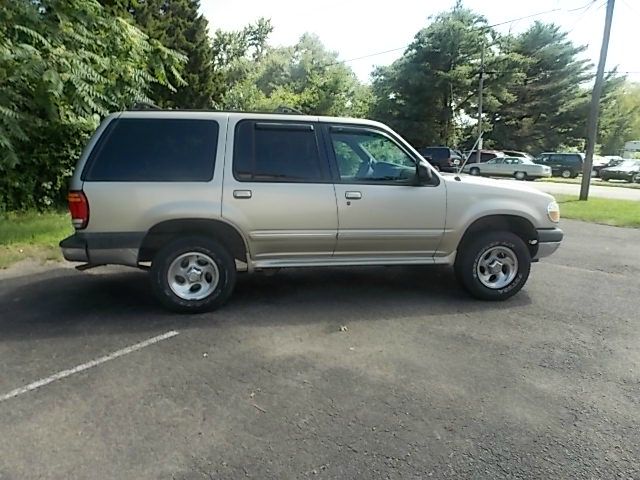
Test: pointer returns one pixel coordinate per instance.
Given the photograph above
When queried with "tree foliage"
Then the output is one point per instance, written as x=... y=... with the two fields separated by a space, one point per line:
x=305 y=76
x=178 y=25
x=534 y=87
x=549 y=104
x=432 y=88
x=620 y=117
x=64 y=64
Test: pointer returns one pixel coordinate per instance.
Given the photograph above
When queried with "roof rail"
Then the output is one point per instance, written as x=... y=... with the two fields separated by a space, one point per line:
x=145 y=106
x=287 y=109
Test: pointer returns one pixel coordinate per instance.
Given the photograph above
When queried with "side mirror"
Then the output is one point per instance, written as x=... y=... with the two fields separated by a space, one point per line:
x=423 y=173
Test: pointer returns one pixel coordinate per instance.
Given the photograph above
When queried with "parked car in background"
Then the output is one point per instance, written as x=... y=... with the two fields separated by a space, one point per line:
x=519 y=168
x=444 y=159
x=605 y=162
x=485 y=155
x=514 y=153
x=565 y=165
x=628 y=170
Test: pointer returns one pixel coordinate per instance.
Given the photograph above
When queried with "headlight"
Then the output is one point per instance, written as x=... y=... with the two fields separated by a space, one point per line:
x=553 y=212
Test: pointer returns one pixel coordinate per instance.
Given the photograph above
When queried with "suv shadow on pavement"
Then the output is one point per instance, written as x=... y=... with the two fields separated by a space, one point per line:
x=66 y=303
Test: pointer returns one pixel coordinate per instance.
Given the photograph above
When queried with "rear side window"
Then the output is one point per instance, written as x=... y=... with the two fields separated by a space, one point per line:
x=154 y=150
x=437 y=153
x=276 y=152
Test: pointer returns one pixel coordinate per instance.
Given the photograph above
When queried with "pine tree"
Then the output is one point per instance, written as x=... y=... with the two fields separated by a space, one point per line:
x=549 y=105
x=178 y=25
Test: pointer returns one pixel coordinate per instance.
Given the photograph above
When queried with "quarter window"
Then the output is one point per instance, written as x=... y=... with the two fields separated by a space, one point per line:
x=276 y=152
x=154 y=150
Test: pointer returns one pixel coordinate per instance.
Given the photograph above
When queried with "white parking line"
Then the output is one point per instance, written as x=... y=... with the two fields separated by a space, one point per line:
x=85 y=366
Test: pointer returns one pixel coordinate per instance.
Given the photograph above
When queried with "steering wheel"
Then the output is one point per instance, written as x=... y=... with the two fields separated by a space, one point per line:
x=365 y=169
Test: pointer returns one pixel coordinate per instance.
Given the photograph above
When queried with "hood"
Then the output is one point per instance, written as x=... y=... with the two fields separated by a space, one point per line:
x=620 y=168
x=506 y=186
x=477 y=197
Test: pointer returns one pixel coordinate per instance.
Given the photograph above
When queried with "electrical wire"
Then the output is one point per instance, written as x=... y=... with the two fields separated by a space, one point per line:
x=375 y=54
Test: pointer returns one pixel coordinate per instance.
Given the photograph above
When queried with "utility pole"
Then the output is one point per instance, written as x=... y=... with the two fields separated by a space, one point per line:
x=594 y=109
x=480 y=91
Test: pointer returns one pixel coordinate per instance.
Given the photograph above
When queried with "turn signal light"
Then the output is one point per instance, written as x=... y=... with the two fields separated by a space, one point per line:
x=553 y=211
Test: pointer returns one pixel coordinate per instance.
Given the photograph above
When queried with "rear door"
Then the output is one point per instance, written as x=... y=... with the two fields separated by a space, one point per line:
x=382 y=215
x=278 y=190
x=492 y=167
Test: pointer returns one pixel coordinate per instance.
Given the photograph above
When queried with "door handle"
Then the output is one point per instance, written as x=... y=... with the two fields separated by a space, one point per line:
x=242 y=194
x=352 y=195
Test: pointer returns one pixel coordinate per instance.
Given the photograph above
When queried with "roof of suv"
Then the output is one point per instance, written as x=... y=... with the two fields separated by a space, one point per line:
x=563 y=153
x=235 y=115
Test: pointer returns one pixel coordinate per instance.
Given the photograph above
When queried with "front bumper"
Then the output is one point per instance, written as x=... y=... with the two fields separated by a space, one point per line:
x=549 y=240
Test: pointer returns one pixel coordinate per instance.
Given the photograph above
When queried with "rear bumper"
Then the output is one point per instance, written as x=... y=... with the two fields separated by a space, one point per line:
x=103 y=248
x=549 y=240
x=74 y=249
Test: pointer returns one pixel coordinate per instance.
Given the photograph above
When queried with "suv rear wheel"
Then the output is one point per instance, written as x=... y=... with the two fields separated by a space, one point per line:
x=193 y=274
x=566 y=173
x=493 y=266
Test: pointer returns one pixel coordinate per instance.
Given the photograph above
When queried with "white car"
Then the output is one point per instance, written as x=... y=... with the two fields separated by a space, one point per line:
x=519 y=168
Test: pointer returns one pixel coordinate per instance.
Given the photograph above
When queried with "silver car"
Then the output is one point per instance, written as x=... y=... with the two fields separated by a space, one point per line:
x=518 y=168
x=195 y=197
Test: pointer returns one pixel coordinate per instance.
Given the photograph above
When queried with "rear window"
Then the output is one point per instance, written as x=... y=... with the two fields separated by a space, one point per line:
x=436 y=153
x=154 y=150
x=276 y=152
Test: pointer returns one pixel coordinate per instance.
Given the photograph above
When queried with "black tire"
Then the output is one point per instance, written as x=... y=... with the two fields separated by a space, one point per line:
x=520 y=175
x=471 y=252
x=223 y=261
x=636 y=178
x=604 y=179
x=474 y=171
x=437 y=167
x=566 y=173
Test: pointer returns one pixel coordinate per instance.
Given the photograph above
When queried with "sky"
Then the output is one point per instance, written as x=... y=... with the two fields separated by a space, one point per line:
x=357 y=28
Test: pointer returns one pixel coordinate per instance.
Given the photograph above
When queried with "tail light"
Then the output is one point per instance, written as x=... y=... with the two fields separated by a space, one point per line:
x=78 y=208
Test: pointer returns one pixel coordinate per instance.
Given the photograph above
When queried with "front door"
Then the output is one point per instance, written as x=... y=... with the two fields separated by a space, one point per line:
x=382 y=213
x=277 y=189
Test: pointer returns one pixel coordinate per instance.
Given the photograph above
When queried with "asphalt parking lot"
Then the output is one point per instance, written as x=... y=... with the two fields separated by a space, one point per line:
x=423 y=382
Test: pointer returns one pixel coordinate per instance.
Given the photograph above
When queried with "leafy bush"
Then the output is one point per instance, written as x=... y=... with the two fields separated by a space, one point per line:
x=64 y=64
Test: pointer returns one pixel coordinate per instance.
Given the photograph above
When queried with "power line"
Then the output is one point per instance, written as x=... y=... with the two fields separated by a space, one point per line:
x=630 y=7
x=573 y=27
x=375 y=54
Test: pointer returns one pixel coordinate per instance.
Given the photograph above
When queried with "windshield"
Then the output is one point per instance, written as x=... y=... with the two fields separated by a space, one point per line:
x=629 y=163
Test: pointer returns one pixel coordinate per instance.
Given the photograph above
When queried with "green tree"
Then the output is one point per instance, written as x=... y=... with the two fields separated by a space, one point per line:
x=549 y=106
x=305 y=76
x=64 y=64
x=620 y=117
x=234 y=55
x=429 y=94
x=178 y=25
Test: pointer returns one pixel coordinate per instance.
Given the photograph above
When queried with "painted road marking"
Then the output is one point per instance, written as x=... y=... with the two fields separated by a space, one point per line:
x=85 y=366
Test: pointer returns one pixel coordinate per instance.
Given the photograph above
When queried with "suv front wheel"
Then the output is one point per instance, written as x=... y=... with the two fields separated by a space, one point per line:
x=493 y=266
x=193 y=274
